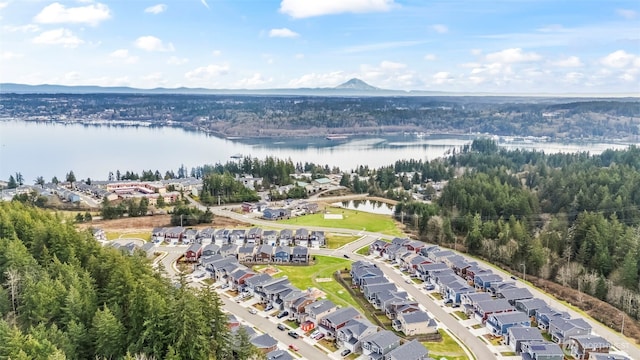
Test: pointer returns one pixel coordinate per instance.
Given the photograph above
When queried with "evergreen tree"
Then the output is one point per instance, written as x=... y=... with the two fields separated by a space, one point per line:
x=107 y=334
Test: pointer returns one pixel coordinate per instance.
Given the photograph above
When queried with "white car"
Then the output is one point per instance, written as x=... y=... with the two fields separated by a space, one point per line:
x=253 y=311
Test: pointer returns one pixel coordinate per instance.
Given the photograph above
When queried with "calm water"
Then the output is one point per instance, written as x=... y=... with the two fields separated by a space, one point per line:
x=375 y=207
x=47 y=149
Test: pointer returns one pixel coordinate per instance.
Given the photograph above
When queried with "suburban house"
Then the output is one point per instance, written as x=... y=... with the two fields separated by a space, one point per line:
x=412 y=350
x=470 y=300
x=381 y=284
x=189 y=236
x=484 y=281
x=414 y=323
x=157 y=235
x=485 y=308
x=265 y=343
x=282 y=254
x=270 y=237
x=254 y=235
x=581 y=346
x=221 y=237
x=516 y=335
x=301 y=237
x=455 y=289
x=530 y=306
x=299 y=254
x=331 y=323
x=275 y=214
x=439 y=256
x=376 y=346
x=377 y=246
x=425 y=271
x=194 y=252
x=498 y=324
x=246 y=253
x=363 y=269
x=279 y=355
x=396 y=307
x=264 y=253
x=317 y=239
x=255 y=281
x=286 y=237
x=205 y=235
x=238 y=277
x=210 y=249
x=541 y=351
x=229 y=250
x=545 y=314
x=383 y=299
x=350 y=335
x=319 y=309
x=296 y=302
x=237 y=237
x=148 y=249
x=562 y=329
x=173 y=235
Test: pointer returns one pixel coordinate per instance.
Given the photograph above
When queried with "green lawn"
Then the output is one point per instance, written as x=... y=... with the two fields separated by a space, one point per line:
x=363 y=250
x=335 y=241
x=146 y=236
x=307 y=276
x=352 y=219
x=448 y=348
x=461 y=315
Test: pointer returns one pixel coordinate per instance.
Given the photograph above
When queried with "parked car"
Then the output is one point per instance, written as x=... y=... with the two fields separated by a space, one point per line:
x=253 y=311
x=293 y=347
x=319 y=336
x=346 y=256
x=345 y=352
x=269 y=307
x=314 y=334
x=281 y=327
x=429 y=287
x=408 y=281
x=282 y=314
x=293 y=334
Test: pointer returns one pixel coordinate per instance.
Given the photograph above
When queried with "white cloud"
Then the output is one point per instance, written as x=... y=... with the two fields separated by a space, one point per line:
x=60 y=36
x=476 y=52
x=57 y=13
x=440 y=28
x=430 y=57
x=156 y=9
x=216 y=53
x=620 y=59
x=152 y=43
x=573 y=77
x=305 y=8
x=299 y=56
x=283 y=33
x=174 y=60
x=514 y=55
x=380 y=46
x=9 y=55
x=124 y=56
x=254 y=81
x=320 y=80
x=3 y=5
x=442 y=77
x=571 y=61
x=207 y=72
x=204 y=2
x=627 y=13
x=390 y=65
x=21 y=28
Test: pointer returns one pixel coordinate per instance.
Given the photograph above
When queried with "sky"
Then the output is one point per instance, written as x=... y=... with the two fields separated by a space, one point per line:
x=499 y=46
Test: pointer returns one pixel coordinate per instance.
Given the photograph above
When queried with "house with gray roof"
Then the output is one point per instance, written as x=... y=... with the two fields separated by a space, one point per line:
x=299 y=254
x=498 y=324
x=319 y=309
x=148 y=249
x=498 y=287
x=412 y=350
x=351 y=334
x=384 y=297
x=246 y=253
x=205 y=235
x=394 y=307
x=265 y=343
x=580 y=346
x=425 y=271
x=414 y=323
x=330 y=323
x=363 y=269
x=221 y=237
x=279 y=355
x=484 y=281
x=601 y=356
x=485 y=308
x=529 y=306
x=468 y=301
x=270 y=237
x=370 y=290
x=517 y=335
x=377 y=246
x=237 y=237
x=376 y=346
x=254 y=236
x=515 y=294
x=210 y=249
x=238 y=277
x=229 y=250
x=296 y=302
x=545 y=314
x=562 y=329
x=541 y=351
x=286 y=237
x=256 y=281
x=388 y=253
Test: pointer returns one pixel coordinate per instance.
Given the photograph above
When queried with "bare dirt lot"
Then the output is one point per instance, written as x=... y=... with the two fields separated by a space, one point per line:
x=147 y=223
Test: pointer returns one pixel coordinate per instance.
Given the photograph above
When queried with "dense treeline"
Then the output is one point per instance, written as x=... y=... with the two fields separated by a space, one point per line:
x=65 y=297
x=571 y=218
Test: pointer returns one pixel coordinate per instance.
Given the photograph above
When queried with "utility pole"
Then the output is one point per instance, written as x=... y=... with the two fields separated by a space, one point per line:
x=180 y=220
x=524 y=272
x=622 y=328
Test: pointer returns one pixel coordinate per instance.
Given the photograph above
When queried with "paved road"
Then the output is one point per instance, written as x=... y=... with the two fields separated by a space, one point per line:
x=620 y=342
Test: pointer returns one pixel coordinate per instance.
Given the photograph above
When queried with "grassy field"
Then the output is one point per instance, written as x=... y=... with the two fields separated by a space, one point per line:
x=146 y=236
x=352 y=219
x=335 y=241
x=304 y=277
x=448 y=348
x=363 y=250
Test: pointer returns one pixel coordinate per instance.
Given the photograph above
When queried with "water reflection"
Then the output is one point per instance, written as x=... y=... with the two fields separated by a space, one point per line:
x=370 y=206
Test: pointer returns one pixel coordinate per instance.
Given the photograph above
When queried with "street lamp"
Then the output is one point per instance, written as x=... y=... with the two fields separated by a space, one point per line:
x=524 y=271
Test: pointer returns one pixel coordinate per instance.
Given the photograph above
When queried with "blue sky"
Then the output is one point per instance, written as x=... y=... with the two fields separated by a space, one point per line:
x=515 y=46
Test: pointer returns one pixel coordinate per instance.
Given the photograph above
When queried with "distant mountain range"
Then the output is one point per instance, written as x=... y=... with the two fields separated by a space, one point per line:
x=351 y=87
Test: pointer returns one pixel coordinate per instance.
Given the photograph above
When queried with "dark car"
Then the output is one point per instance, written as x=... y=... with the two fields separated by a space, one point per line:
x=293 y=334
x=281 y=327
x=282 y=314
x=345 y=352
x=346 y=256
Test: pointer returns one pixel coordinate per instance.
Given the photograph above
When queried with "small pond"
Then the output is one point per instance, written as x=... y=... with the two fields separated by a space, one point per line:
x=371 y=206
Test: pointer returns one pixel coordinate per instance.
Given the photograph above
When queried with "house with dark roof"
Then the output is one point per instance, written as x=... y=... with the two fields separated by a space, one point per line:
x=317 y=239
x=276 y=214
x=279 y=355
x=296 y=302
x=529 y=306
x=363 y=269
x=498 y=287
x=229 y=250
x=468 y=301
x=221 y=237
x=377 y=246
x=282 y=254
x=455 y=289
x=580 y=346
x=400 y=241
x=545 y=314
x=515 y=294
x=264 y=253
x=299 y=254
x=414 y=323
x=516 y=335
x=173 y=235
x=486 y=308
x=237 y=237
x=541 y=351
x=425 y=271
x=205 y=235
x=562 y=329
x=484 y=281
x=238 y=277
x=439 y=256
x=265 y=343
x=382 y=284
x=319 y=309
x=254 y=236
x=301 y=237
x=382 y=299
x=412 y=350
x=246 y=253
x=189 y=236
x=498 y=324
x=286 y=237
x=376 y=346
x=270 y=237
x=256 y=281
x=210 y=249
x=157 y=234
x=351 y=334
x=395 y=307
x=330 y=323
x=193 y=252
